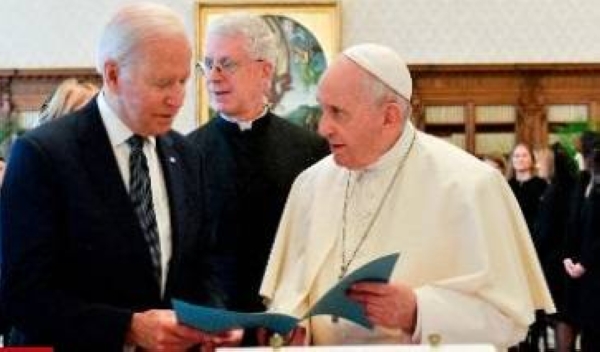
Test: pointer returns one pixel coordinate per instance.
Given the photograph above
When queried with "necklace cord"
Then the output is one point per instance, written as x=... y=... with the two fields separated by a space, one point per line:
x=345 y=265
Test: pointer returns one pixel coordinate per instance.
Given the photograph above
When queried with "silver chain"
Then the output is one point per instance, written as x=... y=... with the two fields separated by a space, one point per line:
x=345 y=265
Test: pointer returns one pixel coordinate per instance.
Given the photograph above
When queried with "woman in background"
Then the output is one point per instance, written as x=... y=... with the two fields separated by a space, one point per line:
x=69 y=96
x=528 y=189
x=524 y=182
x=581 y=261
x=550 y=233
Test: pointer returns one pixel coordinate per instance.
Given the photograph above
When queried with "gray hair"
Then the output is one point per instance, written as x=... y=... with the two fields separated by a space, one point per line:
x=261 y=43
x=132 y=25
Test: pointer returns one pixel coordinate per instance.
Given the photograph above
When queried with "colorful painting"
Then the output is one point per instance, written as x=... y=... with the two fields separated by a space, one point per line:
x=299 y=66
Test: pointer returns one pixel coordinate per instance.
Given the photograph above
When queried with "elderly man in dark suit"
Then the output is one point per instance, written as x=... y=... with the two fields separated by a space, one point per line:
x=101 y=210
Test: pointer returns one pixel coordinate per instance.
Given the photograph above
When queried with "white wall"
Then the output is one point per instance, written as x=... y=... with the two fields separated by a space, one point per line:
x=63 y=33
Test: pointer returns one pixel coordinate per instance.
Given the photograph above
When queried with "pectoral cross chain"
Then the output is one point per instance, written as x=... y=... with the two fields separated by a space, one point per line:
x=343 y=268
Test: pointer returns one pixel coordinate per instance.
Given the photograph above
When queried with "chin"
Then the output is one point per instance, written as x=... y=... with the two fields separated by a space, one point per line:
x=220 y=107
x=348 y=164
x=226 y=111
x=159 y=130
x=341 y=161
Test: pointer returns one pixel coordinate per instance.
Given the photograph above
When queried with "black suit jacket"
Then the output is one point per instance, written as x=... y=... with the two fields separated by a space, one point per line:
x=248 y=181
x=75 y=265
x=590 y=259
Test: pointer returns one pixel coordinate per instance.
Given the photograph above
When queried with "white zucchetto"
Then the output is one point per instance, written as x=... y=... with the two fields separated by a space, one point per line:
x=385 y=64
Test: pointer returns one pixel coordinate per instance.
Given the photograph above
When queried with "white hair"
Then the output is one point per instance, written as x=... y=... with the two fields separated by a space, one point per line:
x=261 y=43
x=132 y=25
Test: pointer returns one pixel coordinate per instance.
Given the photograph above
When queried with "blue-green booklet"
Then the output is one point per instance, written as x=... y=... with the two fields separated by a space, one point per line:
x=334 y=302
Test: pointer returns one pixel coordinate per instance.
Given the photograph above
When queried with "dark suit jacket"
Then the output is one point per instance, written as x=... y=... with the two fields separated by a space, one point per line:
x=590 y=259
x=75 y=263
x=248 y=181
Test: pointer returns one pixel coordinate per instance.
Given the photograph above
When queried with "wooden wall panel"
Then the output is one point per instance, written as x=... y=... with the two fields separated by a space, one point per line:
x=530 y=88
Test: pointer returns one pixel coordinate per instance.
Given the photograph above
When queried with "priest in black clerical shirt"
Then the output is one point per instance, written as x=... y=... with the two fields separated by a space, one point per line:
x=252 y=156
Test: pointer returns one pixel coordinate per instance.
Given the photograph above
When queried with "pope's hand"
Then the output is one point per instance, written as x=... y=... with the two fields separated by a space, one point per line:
x=392 y=306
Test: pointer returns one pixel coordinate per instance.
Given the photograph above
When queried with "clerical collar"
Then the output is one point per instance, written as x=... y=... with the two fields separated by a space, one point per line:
x=396 y=154
x=243 y=124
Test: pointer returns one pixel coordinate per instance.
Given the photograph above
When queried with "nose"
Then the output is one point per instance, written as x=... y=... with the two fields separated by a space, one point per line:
x=176 y=97
x=213 y=74
x=325 y=127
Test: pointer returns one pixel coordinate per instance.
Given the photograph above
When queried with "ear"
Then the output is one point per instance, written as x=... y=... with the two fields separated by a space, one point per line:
x=111 y=75
x=266 y=71
x=393 y=114
x=266 y=75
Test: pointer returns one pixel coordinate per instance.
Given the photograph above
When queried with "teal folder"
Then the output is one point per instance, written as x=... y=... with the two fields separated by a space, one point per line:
x=334 y=302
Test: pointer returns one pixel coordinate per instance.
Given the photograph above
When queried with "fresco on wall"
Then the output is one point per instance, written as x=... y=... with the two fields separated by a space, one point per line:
x=300 y=64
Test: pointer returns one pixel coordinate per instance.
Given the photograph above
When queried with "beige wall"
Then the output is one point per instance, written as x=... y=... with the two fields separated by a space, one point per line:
x=62 y=33
x=479 y=31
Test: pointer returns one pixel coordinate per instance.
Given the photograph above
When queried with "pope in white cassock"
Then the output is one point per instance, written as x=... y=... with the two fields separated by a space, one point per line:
x=467 y=271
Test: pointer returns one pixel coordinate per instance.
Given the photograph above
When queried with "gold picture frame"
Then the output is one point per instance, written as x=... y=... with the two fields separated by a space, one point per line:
x=314 y=21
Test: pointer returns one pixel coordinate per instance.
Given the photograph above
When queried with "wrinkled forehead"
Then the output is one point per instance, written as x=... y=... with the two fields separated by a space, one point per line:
x=165 y=44
x=344 y=85
x=344 y=75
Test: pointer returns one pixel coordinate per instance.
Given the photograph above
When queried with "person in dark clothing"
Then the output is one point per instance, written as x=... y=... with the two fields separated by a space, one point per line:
x=70 y=95
x=550 y=233
x=99 y=209
x=582 y=263
x=253 y=156
x=525 y=184
x=528 y=189
x=590 y=262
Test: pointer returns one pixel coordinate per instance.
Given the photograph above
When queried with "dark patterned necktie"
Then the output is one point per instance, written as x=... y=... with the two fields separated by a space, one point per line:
x=140 y=193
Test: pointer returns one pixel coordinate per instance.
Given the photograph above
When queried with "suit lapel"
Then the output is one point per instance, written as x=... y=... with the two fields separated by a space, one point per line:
x=103 y=172
x=100 y=161
x=174 y=182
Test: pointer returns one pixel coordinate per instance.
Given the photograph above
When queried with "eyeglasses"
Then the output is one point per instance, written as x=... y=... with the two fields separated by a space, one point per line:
x=223 y=66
